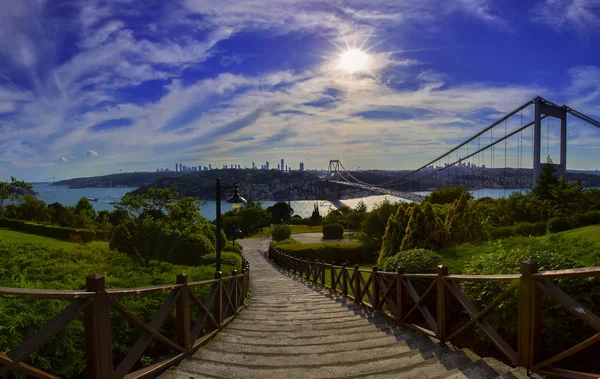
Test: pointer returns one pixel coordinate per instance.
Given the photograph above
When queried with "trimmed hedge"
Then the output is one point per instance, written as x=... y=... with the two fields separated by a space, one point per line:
x=237 y=248
x=51 y=231
x=333 y=231
x=502 y=232
x=338 y=252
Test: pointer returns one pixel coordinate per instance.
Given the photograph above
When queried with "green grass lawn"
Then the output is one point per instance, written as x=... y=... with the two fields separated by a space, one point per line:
x=19 y=237
x=456 y=257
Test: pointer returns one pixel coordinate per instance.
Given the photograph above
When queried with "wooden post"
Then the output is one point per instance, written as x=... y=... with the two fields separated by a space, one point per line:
x=182 y=311
x=314 y=275
x=376 y=289
x=323 y=273
x=219 y=300
x=444 y=305
x=400 y=294
x=344 y=280
x=236 y=293
x=530 y=317
x=98 y=344
x=356 y=284
x=332 y=275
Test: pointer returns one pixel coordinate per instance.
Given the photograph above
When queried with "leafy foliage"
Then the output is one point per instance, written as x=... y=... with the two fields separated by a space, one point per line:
x=463 y=223
x=424 y=229
x=281 y=232
x=12 y=191
x=558 y=330
x=315 y=217
x=280 y=212
x=250 y=218
x=447 y=195
x=338 y=252
x=559 y=224
x=395 y=232
x=416 y=261
x=375 y=223
x=160 y=226
x=333 y=231
x=34 y=266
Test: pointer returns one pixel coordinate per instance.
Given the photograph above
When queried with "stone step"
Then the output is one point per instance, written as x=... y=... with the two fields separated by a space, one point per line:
x=486 y=368
x=358 y=367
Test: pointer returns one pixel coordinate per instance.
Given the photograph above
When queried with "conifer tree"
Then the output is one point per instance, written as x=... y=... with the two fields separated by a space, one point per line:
x=394 y=232
x=423 y=229
x=463 y=223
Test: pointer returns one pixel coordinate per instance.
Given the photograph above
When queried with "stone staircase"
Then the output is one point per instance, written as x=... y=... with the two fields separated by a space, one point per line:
x=291 y=330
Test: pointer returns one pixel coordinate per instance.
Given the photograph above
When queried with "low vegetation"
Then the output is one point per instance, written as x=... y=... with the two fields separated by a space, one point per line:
x=37 y=266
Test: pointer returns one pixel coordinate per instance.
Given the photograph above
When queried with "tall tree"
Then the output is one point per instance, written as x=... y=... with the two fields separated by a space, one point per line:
x=423 y=230
x=395 y=232
x=546 y=182
x=14 y=190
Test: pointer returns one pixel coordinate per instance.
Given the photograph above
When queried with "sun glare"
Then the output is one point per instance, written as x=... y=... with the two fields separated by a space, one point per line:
x=353 y=60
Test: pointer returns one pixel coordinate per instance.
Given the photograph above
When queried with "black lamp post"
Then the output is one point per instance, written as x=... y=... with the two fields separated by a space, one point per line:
x=236 y=202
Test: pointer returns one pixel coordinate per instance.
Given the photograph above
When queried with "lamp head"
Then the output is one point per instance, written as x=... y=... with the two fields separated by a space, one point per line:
x=236 y=200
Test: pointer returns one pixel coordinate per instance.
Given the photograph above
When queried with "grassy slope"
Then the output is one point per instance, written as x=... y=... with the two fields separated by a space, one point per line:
x=19 y=237
x=456 y=257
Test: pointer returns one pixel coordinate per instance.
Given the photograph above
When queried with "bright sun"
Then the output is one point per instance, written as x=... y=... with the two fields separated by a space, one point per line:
x=353 y=60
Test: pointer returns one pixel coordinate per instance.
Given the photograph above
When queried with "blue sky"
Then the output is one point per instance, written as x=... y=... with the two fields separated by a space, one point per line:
x=93 y=87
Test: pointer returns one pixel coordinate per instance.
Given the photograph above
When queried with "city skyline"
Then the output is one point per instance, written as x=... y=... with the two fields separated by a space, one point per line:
x=89 y=88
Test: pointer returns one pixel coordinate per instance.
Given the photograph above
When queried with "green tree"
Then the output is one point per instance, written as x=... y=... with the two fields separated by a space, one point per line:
x=316 y=217
x=546 y=182
x=281 y=212
x=85 y=208
x=32 y=209
x=373 y=228
x=423 y=229
x=61 y=215
x=14 y=190
x=395 y=232
x=447 y=195
x=463 y=223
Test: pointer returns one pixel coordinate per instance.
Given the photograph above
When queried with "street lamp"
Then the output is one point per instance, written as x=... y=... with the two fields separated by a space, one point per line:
x=236 y=202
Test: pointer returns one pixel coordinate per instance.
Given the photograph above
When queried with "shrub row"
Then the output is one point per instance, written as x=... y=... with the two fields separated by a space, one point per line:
x=330 y=252
x=554 y=225
x=52 y=231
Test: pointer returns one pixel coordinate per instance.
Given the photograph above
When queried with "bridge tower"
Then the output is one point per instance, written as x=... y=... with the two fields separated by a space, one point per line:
x=548 y=109
x=334 y=168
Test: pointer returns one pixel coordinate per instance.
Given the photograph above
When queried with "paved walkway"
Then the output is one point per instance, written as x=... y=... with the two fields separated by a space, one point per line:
x=291 y=330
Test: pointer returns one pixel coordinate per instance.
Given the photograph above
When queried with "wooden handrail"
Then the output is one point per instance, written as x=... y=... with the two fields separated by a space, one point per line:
x=226 y=298
x=387 y=292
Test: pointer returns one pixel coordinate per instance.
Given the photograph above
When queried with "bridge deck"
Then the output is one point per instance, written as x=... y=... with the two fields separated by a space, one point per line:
x=291 y=330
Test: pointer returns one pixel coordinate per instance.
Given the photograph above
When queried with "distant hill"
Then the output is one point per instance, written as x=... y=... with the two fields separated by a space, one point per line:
x=254 y=184
x=126 y=179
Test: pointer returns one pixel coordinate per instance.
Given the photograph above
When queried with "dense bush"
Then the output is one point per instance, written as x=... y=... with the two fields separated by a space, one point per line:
x=189 y=250
x=35 y=267
x=417 y=261
x=227 y=259
x=502 y=232
x=463 y=223
x=530 y=229
x=559 y=332
x=375 y=223
x=281 y=232
x=594 y=217
x=333 y=231
x=233 y=248
x=338 y=252
x=47 y=230
x=559 y=224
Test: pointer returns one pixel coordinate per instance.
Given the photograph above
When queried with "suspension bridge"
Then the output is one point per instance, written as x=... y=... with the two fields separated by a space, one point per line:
x=505 y=154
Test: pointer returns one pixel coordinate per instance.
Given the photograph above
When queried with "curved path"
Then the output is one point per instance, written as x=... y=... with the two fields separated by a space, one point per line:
x=291 y=330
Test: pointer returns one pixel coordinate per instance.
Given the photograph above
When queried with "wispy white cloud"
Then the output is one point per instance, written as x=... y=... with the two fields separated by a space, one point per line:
x=582 y=16
x=91 y=152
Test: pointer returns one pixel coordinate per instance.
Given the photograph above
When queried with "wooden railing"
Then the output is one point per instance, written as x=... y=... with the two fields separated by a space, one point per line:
x=226 y=297
x=395 y=294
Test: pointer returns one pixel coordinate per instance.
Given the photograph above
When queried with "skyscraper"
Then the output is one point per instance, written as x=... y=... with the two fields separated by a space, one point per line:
x=267 y=165
x=281 y=164
x=278 y=166
x=301 y=166
x=176 y=168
